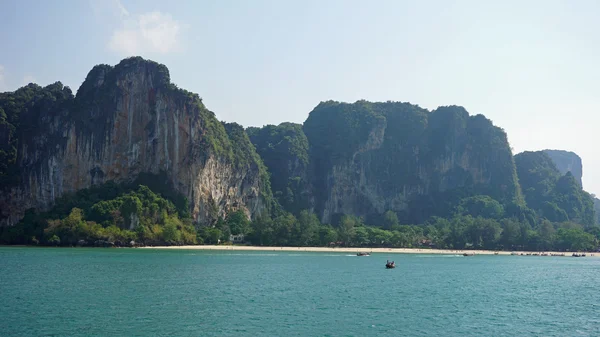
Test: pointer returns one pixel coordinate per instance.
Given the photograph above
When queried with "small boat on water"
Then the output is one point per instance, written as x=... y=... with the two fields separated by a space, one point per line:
x=363 y=254
x=390 y=265
x=469 y=254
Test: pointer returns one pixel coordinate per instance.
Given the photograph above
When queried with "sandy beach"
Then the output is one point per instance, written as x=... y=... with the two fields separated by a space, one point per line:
x=356 y=250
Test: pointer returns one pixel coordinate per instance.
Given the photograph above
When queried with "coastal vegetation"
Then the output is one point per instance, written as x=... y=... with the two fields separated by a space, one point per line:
x=105 y=215
x=456 y=232
x=122 y=216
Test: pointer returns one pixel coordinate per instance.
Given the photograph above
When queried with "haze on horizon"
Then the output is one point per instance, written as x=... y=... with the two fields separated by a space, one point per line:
x=531 y=67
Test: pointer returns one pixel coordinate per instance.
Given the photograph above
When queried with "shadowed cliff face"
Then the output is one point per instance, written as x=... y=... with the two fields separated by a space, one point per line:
x=284 y=150
x=567 y=161
x=368 y=158
x=124 y=121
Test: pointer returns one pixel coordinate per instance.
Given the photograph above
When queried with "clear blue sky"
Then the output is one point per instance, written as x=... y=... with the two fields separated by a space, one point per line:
x=531 y=66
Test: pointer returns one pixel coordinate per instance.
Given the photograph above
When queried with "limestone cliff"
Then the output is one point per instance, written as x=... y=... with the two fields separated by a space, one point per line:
x=567 y=161
x=368 y=158
x=125 y=120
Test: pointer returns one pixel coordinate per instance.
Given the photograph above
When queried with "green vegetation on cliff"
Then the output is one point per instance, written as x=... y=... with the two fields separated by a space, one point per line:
x=102 y=215
x=284 y=150
x=554 y=196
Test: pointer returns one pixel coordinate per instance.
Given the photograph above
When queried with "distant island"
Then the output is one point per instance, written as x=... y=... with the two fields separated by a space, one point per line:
x=132 y=160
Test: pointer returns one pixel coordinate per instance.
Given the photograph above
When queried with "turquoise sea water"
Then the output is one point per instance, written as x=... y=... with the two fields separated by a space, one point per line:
x=139 y=292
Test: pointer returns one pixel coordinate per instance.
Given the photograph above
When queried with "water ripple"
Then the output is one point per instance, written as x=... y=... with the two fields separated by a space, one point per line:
x=109 y=292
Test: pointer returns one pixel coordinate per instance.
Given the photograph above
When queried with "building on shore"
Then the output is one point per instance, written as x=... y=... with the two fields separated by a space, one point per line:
x=236 y=238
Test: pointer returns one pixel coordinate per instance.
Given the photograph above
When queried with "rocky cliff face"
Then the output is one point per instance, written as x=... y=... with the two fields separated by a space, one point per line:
x=567 y=161
x=126 y=120
x=368 y=158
